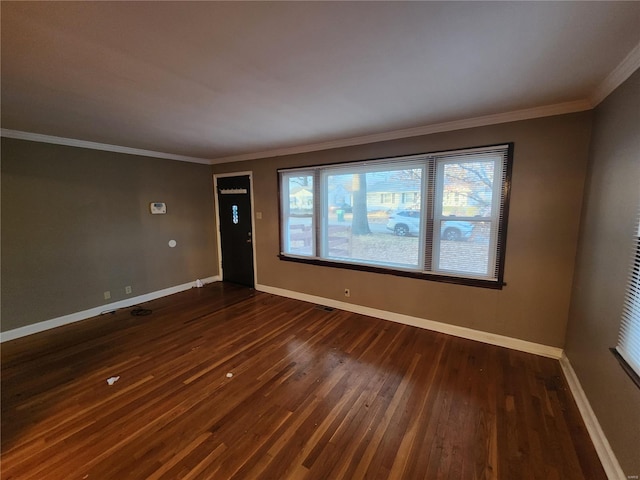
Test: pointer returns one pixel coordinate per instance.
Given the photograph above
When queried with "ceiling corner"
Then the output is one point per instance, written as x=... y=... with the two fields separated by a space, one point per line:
x=624 y=70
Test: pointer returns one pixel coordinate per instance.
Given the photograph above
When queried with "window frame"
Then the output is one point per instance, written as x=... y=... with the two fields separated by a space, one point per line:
x=306 y=172
x=439 y=217
x=426 y=259
x=626 y=350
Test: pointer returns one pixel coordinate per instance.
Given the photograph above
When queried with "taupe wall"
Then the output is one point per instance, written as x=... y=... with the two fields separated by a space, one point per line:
x=76 y=222
x=548 y=179
x=612 y=198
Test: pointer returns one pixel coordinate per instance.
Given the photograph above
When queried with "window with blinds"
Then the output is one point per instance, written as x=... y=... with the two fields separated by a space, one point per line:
x=440 y=216
x=629 y=338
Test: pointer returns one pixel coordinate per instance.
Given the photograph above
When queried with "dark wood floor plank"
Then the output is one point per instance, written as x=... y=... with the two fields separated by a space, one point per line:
x=313 y=394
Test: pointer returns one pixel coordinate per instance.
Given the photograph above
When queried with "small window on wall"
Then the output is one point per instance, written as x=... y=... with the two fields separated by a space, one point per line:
x=628 y=348
x=440 y=216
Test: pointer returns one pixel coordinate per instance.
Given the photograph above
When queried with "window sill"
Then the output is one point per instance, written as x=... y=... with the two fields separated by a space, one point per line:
x=471 y=282
x=626 y=367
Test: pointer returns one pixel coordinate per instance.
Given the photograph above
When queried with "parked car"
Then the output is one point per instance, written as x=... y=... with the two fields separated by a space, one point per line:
x=456 y=230
x=407 y=222
x=404 y=222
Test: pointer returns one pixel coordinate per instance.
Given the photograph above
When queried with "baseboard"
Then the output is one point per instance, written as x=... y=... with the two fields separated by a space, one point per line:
x=469 y=333
x=92 y=312
x=605 y=453
x=601 y=444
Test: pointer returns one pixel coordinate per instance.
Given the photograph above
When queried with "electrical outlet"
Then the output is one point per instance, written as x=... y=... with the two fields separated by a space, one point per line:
x=347 y=292
x=107 y=295
x=127 y=289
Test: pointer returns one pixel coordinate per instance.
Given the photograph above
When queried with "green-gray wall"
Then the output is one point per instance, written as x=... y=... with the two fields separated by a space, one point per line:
x=76 y=223
x=612 y=199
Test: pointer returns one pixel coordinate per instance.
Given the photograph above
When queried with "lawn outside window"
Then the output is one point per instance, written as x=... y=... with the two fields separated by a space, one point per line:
x=439 y=216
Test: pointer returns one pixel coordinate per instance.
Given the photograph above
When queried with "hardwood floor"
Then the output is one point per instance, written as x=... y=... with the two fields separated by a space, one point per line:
x=314 y=394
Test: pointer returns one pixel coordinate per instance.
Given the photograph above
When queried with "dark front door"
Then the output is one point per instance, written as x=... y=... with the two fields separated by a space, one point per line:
x=236 y=237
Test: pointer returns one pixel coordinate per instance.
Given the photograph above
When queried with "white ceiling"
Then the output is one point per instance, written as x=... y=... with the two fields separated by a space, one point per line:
x=213 y=80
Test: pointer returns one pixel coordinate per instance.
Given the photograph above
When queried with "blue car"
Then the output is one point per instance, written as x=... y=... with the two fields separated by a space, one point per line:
x=407 y=222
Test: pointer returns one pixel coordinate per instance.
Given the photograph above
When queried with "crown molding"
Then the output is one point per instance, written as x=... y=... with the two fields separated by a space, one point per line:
x=485 y=120
x=525 y=114
x=624 y=70
x=70 y=142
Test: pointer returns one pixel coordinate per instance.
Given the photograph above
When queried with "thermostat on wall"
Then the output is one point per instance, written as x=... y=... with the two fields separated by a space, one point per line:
x=158 y=208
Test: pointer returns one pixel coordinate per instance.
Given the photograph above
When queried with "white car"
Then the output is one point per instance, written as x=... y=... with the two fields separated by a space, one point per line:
x=407 y=222
x=404 y=222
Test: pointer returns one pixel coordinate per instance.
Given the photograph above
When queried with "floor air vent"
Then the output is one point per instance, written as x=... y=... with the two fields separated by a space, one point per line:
x=325 y=308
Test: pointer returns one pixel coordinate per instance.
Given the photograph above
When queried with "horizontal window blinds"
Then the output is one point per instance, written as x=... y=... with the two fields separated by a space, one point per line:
x=629 y=340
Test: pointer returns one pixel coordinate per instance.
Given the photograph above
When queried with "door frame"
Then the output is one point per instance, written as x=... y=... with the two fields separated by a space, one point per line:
x=253 y=222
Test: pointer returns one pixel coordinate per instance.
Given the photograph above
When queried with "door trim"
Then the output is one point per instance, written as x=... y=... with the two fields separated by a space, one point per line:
x=253 y=220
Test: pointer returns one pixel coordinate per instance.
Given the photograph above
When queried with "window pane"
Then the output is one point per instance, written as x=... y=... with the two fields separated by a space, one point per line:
x=374 y=215
x=464 y=247
x=298 y=214
x=234 y=214
x=468 y=189
x=465 y=214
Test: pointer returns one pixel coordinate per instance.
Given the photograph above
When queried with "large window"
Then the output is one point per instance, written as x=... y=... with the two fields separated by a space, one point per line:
x=629 y=340
x=438 y=216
